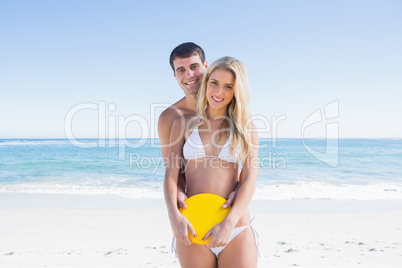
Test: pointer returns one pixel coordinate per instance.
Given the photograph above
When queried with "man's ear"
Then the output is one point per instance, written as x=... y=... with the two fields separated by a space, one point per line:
x=206 y=64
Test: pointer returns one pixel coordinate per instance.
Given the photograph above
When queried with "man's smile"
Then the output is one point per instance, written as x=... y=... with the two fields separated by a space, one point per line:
x=191 y=82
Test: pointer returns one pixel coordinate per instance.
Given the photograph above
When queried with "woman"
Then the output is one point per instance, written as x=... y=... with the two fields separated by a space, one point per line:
x=213 y=144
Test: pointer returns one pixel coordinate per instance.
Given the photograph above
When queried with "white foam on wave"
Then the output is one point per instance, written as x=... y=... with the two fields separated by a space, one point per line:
x=128 y=192
x=34 y=142
x=299 y=190
x=320 y=190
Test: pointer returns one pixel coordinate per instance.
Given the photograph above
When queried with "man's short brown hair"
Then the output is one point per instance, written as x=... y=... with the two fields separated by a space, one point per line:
x=186 y=50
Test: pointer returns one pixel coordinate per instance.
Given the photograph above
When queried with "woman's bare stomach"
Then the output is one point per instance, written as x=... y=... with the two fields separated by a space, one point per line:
x=220 y=179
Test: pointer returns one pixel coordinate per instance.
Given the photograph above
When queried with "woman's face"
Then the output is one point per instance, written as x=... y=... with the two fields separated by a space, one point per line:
x=220 y=88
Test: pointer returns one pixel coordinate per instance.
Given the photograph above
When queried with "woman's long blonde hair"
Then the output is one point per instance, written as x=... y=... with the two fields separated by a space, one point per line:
x=237 y=109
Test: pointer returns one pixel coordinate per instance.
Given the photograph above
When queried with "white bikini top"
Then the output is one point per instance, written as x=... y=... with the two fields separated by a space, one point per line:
x=194 y=148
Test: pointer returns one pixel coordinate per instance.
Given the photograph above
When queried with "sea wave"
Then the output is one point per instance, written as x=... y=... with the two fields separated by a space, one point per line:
x=321 y=190
x=33 y=142
x=131 y=192
x=298 y=190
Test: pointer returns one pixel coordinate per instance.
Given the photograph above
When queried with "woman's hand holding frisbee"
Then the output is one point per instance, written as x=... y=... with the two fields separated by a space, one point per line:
x=220 y=235
x=181 y=229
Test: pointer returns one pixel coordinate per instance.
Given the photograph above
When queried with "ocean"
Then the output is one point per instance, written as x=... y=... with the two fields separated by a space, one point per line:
x=344 y=169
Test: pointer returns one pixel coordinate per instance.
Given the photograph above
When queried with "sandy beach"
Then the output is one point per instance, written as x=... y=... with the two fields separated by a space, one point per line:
x=38 y=230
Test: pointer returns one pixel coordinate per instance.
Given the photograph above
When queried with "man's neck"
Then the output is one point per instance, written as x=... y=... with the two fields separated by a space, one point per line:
x=191 y=102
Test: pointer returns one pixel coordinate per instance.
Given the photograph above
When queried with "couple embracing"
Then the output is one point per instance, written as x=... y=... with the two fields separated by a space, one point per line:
x=210 y=145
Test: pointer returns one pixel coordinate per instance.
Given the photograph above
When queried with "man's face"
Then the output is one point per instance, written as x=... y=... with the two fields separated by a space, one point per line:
x=189 y=72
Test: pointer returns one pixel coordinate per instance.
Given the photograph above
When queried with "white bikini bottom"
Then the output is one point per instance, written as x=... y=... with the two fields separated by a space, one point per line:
x=236 y=231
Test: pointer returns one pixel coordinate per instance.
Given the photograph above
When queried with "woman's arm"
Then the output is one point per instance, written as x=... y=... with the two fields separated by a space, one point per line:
x=178 y=222
x=222 y=231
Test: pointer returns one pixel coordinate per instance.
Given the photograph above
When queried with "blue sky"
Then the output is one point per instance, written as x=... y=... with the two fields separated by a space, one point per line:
x=300 y=56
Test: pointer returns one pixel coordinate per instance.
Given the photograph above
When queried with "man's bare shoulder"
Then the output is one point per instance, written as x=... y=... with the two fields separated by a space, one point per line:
x=177 y=109
x=168 y=116
x=173 y=111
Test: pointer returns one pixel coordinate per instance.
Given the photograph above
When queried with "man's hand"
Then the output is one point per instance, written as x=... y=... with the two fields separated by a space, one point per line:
x=230 y=200
x=181 y=197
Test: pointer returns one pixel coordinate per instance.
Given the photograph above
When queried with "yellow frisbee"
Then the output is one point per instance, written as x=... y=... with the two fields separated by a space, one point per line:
x=204 y=211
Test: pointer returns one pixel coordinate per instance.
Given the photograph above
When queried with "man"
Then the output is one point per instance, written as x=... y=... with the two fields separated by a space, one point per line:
x=188 y=63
